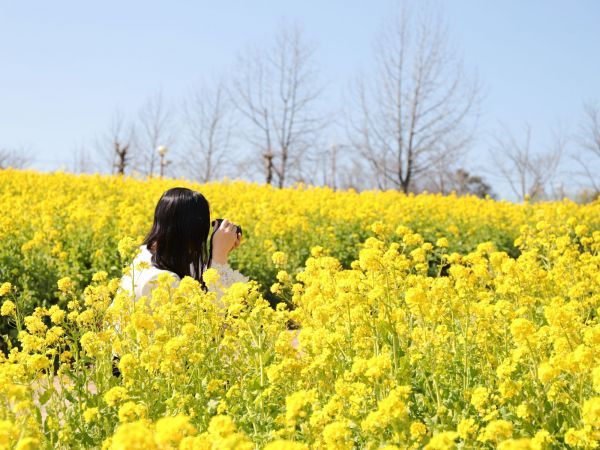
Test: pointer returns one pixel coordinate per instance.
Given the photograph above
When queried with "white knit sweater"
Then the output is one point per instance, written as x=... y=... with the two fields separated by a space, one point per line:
x=144 y=280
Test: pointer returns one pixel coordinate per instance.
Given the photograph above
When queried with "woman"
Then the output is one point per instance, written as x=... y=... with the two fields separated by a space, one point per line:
x=177 y=244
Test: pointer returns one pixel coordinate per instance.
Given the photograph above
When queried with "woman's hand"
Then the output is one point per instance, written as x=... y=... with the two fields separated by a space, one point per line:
x=225 y=239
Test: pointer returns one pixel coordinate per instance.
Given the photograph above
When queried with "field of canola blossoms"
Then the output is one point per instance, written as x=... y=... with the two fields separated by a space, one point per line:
x=421 y=322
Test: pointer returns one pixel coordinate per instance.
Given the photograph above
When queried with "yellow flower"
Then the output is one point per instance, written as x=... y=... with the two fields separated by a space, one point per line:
x=8 y=308
x=379 y=228
x=92 y=344
x=127 y=365
x=53 y=335
x=515 y=444
x=496 y=431
x=127 y=248
x=596 y=379
x=389 y=410
x=539 y=441
x=283 y=277
x=466 y=428
x=337 y=435
x=133 y=436
x=210 y=276
x=276 y=288
x=576 y=438
x=28 y=443
x=522 y=330
x=546 y=372
x=442 y=243
x=417 y=430
x=5 y=288
x=317 y=251
x=86 y=318
x=378 y=366
x=100 y=276
x=115 y=395
x=90 y=414
x=37 y=363
x=590 y=413
x=35 y=325
x=412 y=239
x=65 y=284
x=171 y=430
x=370 y=259
x=56 y=314
x=281 y=444
x=442 y=441
x=296 y=404
x=523 y=411
x=509 y=388
x=581 y=230
x=479 y=398
x=221 y=426
x=279 y=258
x=416 y=299
x=9 y=432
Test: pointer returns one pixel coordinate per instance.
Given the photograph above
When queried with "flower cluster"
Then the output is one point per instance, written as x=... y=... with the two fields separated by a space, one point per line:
x=399 y=322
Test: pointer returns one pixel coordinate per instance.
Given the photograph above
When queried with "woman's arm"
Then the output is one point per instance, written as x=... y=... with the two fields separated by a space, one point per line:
x=225 y=239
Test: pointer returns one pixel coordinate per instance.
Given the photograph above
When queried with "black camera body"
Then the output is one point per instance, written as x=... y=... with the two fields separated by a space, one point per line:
x=217 y=223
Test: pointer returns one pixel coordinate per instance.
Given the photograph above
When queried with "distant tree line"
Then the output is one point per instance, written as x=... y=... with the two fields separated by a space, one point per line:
x=408 y=125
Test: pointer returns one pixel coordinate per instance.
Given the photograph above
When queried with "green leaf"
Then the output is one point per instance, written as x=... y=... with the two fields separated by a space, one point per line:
x=69 y=396
x=46 y=396
x=38 y=414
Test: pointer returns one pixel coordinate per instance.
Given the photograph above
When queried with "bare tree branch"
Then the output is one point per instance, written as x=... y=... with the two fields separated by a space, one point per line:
x=587 y=153
x=209 y=132
x=414 y=114
x=276 y=92
x=528 y=173
x=17 y=158
x=155 y=128
x=115 y=146
x=82 y=160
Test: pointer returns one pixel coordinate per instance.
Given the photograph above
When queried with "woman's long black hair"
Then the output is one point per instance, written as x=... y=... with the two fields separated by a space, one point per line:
x=179 y=233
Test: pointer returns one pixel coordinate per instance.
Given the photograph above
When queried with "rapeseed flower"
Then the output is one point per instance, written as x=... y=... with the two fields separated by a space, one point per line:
x=375 y=339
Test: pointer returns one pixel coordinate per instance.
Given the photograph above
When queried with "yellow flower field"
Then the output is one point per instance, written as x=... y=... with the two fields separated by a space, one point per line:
x=374 y=320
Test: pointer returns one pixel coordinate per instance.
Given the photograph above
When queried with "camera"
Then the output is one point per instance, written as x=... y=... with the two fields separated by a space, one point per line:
x=217 y=223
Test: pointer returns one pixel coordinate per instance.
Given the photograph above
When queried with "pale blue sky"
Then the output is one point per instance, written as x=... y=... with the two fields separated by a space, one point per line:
x=66 y=66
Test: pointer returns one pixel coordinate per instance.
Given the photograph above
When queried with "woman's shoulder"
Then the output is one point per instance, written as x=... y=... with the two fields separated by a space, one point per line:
x=143 y=272
x=144 y=253
x=145 y=256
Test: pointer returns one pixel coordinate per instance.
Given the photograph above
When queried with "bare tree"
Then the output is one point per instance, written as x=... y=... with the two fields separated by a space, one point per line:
x=464 y=183
x=587 y=154
x=416 y=110
x=443 y=172
x=17 y=158
x=330 y=164
x=528 y=173
x=334 y=166
x=116 y=145
x=460 y=181
x=276 y=91
x=155 y=128
x=82 y=160
x=209 y=132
